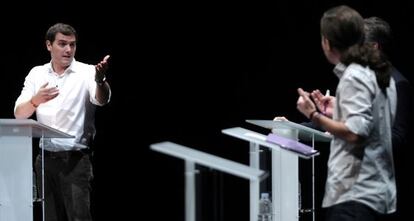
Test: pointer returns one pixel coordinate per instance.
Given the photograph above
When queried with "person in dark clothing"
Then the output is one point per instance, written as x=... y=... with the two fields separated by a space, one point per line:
x=378 y=33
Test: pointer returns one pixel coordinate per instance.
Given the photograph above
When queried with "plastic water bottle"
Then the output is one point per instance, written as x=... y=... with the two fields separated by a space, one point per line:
x=265 y=207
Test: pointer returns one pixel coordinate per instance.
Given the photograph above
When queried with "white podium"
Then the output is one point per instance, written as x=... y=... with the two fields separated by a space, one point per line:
x=16 y=172
x=193 y=157
x=284 y=165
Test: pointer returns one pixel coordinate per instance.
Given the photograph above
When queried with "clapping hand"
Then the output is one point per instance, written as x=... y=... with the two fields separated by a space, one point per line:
x=324 y=103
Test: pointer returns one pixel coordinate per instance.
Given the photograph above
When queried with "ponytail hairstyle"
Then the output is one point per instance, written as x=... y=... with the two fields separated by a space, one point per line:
x=344 y=28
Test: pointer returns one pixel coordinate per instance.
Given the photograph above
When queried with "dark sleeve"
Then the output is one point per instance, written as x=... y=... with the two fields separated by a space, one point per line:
x=402 y=120
x=312 y=125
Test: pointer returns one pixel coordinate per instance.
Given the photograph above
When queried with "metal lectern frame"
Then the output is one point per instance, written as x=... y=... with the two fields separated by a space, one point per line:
x=193 y=157
x=296 y=132
x=16 y=168
x=285 y=169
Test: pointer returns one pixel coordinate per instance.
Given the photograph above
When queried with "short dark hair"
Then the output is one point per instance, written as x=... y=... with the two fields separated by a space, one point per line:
x=60 y=28
x=379 y=31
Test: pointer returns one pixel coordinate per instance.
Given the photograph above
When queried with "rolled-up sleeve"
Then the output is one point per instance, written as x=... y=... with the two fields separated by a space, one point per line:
x=356 y=104
x=28 y=90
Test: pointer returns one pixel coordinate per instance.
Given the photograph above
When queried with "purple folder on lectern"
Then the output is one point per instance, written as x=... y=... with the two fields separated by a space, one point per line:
x=291 y=145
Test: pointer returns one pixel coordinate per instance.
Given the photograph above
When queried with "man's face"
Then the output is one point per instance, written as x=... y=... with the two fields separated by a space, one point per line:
x=62 y=49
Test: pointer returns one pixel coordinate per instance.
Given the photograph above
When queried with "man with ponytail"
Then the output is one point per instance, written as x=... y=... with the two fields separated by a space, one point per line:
x=361 y=182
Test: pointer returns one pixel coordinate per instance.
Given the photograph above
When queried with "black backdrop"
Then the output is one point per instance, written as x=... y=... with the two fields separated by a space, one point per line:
x=182 y=72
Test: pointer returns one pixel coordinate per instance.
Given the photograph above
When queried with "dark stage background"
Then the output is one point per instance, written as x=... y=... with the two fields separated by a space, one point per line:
x=183 y=72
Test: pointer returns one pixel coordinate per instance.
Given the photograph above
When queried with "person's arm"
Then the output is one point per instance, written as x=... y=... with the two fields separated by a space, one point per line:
x=306 y=106
x=102 y=87
x=26 y=109
x=312 y=125
x=335 y=128
x=102 y=92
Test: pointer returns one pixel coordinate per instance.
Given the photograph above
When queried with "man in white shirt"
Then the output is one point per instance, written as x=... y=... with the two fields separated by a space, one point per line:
x=64 y=94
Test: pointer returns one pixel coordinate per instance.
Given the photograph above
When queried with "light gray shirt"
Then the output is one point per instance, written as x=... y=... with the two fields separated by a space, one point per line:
x=72 y=111
x=362 y=172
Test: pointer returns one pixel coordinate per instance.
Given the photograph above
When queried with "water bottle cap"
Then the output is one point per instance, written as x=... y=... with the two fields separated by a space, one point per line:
x=264 y=195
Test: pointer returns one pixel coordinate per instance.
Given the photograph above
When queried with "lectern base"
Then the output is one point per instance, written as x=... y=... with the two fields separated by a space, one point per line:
x=16 y=174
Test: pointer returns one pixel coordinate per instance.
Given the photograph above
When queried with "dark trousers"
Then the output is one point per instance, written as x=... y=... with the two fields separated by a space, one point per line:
x=351 y=211
x=68 y=177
